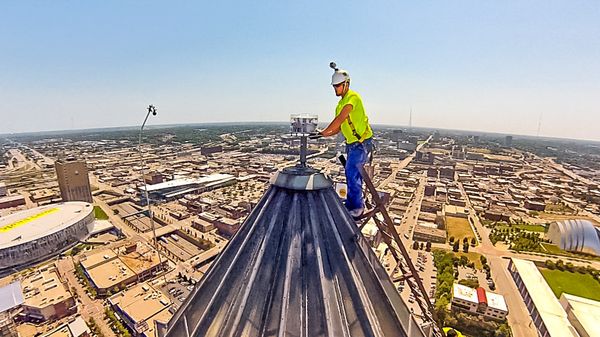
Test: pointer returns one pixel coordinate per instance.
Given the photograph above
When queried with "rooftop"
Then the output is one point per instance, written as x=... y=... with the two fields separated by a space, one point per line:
x=39 y=222
x=550 y=310
x=108 y=268
x=10 y=296
x=586 y=311
x=465 y=293
x=496 y=301
x=109 y=274
x=141 y=302
x=187 y=181
x=76 y=328
x=44 y=288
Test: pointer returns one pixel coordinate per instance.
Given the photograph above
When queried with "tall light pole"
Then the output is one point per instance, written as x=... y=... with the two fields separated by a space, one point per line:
x=151 y=110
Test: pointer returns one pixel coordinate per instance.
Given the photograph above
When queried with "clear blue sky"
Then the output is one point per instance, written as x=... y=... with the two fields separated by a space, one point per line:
x=475 y=65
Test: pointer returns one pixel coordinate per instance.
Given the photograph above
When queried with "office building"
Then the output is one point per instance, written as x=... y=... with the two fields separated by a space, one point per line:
x=46 y=297
x=479 y=302
x=73 y=181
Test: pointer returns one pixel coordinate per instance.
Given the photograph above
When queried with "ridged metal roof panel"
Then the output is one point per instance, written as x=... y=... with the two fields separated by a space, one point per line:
x=296 y=267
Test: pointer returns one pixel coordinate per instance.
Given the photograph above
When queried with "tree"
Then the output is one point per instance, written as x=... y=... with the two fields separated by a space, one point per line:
x=472 y=283
x=428 y=246
x=483 y=259
x=503 y=331
x=441 y=308
x=455 y=246
x=463 y=260
x=569 y=267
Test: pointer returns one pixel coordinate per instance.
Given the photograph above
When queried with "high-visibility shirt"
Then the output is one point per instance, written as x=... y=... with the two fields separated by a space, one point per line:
x=358 y=119
x=458 y=334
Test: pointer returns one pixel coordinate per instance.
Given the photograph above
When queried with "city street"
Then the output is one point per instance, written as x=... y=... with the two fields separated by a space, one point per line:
x=87 y=307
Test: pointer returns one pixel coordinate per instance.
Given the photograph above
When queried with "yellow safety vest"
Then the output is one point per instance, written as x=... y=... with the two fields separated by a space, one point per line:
x=356 y=127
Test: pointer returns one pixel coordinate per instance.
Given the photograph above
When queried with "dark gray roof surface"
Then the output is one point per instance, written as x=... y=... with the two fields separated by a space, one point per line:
x=295 y=268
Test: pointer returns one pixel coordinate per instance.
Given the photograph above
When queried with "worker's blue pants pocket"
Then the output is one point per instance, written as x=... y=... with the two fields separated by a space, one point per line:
x=357 y=156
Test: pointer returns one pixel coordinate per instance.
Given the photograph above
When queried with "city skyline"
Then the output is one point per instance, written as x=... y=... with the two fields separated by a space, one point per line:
x=495 y=67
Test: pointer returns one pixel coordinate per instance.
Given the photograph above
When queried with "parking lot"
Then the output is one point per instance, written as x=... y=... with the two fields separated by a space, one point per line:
x=423 y=262
x=176 y=291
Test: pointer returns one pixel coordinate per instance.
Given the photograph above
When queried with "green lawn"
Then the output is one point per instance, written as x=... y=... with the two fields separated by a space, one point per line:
x=577 y=284
x=552 y=249
x=99 y=213
x=529 y=228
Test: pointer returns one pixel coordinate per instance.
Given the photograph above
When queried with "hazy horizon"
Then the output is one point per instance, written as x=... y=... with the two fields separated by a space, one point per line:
x=321 y=124
x=499 y=67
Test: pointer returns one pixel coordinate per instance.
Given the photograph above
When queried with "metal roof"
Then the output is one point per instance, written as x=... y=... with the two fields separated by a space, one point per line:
x=11 y=296
x=183 y=182
x=298 y=266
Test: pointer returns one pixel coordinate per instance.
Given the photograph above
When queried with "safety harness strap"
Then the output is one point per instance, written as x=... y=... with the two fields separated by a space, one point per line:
x=355 y=133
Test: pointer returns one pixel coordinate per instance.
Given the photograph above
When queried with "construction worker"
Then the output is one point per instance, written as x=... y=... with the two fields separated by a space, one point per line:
x=449 y=332
x=352 y=121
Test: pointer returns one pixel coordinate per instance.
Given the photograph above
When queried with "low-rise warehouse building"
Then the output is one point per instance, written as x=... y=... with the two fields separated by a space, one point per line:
x=479 y=302
x=429 y=232
x=112 y=270
x=140 y=307
x=46 y=297
x=74 y=328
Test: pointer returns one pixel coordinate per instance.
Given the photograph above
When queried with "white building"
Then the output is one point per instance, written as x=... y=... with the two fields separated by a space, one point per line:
x=479 y=302
x=546 y=312
x=584 y=314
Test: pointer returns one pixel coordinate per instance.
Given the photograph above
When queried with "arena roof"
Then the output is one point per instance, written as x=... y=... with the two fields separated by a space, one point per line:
x=35 y=223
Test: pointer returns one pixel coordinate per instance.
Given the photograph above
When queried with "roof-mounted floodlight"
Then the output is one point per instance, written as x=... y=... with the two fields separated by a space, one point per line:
x=301 y=125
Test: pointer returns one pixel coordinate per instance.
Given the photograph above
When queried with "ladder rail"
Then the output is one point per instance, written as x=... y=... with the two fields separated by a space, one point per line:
x=390 y=236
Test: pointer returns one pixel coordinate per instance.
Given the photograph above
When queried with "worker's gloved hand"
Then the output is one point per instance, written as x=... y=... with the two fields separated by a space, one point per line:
x=315 y=135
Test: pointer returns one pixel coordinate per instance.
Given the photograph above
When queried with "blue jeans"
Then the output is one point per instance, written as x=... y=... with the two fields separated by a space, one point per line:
x=357 y=155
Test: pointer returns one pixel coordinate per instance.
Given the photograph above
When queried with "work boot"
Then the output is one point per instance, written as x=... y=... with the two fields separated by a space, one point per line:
x=357 y=212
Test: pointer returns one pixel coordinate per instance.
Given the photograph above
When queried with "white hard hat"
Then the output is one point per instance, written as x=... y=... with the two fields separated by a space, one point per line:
x=339 y=76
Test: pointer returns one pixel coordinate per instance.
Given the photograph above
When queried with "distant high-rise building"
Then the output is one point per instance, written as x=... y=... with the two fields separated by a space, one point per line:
x=508 y=141
x=73 y=181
